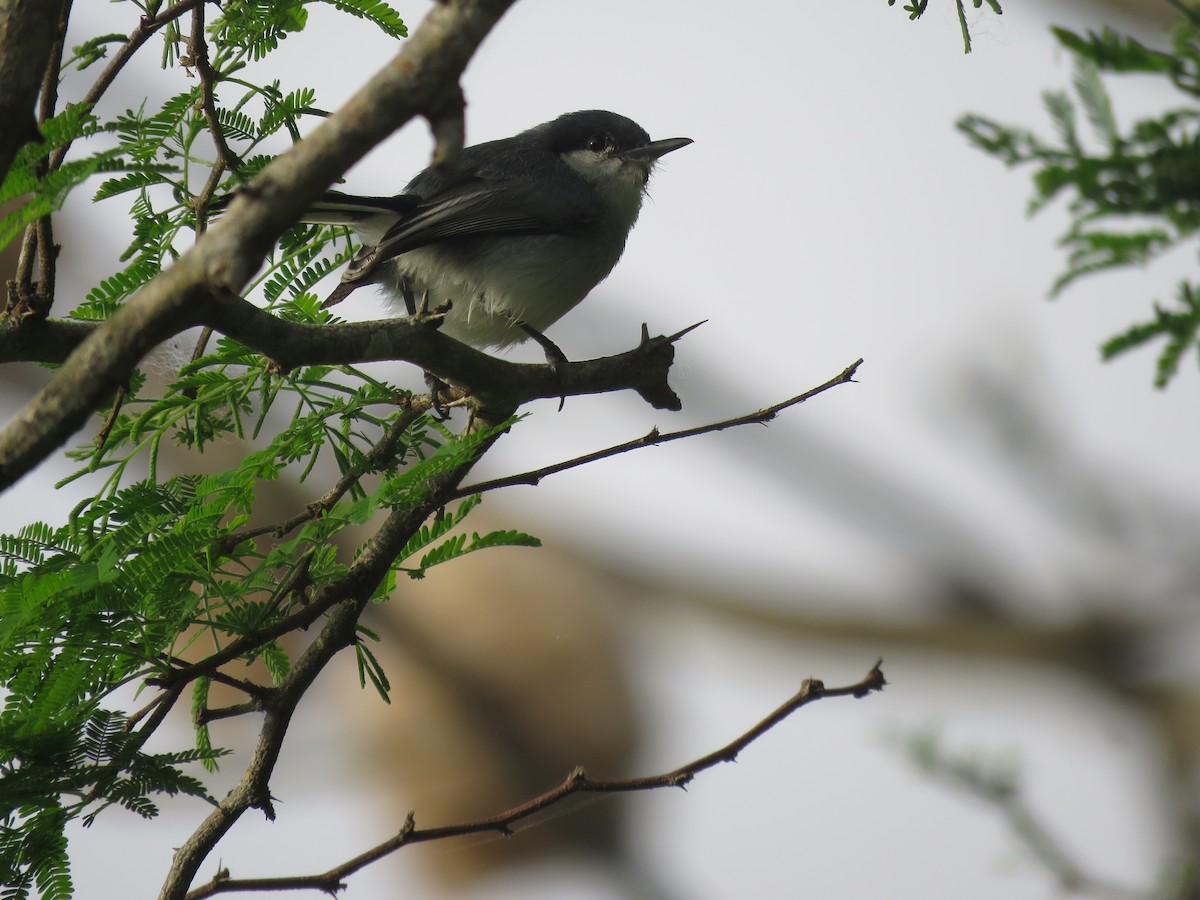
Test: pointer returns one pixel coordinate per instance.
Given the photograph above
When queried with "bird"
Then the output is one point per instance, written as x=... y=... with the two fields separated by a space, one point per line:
x=510 y=239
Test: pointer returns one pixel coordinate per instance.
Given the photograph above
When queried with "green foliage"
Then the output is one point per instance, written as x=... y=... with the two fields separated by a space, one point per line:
x=74 y=769
x=375 y=11
x=1132 y=193
x=112 y=597
x=47 y=190
x=369 y=666
x=251 y=29
x=1179 y=328
x=916 y=9
x=152 y=569
x=457 y=545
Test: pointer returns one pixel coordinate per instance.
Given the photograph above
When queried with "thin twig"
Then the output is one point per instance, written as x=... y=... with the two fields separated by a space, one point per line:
x=381 y=454
x=578 y=782
x=999 y=788
x=250 y=688
x=111 y=420
x=38 y=241
x=26 y=261
x=297 y=583
x=183 y=672
x=133 y=718
x=205 y=716
x=158 y=710
x=47 y=257
x=47 y=104
x=226 y=158
x=341 y=604
x=48 y=98
x=206 y=333
x=146 y=27
x=655 y=438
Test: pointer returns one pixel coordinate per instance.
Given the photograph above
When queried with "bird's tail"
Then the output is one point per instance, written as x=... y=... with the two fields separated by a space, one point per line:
x=336 y=208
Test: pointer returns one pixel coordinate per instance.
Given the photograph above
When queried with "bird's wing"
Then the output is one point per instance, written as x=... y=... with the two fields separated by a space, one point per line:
x=474 y=205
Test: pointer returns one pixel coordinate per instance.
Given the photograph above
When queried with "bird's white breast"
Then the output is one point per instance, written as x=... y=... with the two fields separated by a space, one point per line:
x=493 y=283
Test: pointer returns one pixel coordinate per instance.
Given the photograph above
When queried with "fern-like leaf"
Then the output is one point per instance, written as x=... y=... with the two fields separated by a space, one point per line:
x=376 y=11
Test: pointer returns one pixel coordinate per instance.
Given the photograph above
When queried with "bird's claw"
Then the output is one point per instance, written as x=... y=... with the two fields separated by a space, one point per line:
x=555 y=358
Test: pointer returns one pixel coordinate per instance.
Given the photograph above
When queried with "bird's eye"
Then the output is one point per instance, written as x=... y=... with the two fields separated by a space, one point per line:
x=599 y=143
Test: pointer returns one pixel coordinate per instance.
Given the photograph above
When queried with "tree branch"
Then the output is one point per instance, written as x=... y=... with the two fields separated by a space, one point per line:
x=146 y=28
x=38 y=240
x=495 y=383
x=655 y=438
x=28 y=30
x=578 y=782
x=226 y=159
x=998 y=786
x=382 y=454
x=228 y=254
x=342 y=603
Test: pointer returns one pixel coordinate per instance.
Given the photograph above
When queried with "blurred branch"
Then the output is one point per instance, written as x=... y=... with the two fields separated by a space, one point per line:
x=578 y=782
x=998 y=785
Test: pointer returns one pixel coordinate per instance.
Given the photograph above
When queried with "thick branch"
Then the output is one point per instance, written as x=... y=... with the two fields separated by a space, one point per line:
x=224 y=258
x=578 y=782
x=28 y=29
x=496 y=382
x=38 y=240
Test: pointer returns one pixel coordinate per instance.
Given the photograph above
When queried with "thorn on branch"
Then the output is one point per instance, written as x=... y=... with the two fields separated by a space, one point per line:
x=811 y=687
x=874 y=680
x=679 y=334
x=266 y=803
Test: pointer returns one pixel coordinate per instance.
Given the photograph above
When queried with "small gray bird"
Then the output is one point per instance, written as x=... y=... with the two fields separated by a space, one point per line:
x=515 y=236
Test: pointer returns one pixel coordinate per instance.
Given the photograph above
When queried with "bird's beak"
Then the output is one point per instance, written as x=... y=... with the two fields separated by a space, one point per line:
x=655 y=149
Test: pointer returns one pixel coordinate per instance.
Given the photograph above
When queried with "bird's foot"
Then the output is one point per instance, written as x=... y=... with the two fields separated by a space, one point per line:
x=555 y=358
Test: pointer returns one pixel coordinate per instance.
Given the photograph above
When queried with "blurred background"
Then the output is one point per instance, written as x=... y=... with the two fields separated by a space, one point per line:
x=1012 y=525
